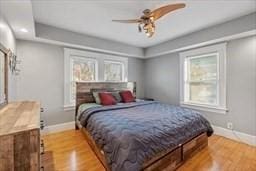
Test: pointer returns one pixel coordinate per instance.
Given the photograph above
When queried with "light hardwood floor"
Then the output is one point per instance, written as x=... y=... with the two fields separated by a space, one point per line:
x=72 y=153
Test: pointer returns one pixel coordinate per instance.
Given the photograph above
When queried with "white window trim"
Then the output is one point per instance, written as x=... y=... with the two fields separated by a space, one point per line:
x=99 y=69
x=222 y=103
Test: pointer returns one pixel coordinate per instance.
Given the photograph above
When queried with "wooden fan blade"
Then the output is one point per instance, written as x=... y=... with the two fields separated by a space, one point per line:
x=158 y=13
x=128 y=21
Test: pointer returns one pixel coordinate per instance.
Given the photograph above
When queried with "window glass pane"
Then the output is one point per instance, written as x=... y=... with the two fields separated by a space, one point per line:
x=203 y=68
x=204 y=92
x=113 y=71
x=83 y=70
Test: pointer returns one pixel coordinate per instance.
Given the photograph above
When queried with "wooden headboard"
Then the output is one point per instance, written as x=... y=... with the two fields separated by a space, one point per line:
x=84 y=95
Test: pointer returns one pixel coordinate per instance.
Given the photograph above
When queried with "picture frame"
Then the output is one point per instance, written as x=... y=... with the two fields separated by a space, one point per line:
x=4 y=53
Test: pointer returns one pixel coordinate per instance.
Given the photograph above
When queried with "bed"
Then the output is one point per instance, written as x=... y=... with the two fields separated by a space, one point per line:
x=142 y=135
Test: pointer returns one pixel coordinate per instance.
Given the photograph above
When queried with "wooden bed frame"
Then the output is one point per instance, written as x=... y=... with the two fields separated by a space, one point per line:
x=167 y=160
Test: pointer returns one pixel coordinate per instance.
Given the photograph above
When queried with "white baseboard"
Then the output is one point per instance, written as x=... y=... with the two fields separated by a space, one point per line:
x=58 y=127
x=235 y=135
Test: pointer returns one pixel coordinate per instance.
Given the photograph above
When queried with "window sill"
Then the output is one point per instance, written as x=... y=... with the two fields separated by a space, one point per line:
x=69 y=107
x=206 y=108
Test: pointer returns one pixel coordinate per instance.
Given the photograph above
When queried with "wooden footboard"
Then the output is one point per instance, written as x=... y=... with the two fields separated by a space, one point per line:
x=168 y=160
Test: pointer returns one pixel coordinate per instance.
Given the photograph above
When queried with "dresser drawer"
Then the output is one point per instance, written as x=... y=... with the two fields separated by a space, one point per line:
x=198 y=143
x=167 y=163
x=20 y=151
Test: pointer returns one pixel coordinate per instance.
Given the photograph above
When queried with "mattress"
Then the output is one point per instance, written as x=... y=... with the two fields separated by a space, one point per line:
x=132 y=133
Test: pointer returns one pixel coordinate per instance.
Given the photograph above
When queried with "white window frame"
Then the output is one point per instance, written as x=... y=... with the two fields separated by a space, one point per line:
x=71 y=54
x=220 y=50
x=115 y=62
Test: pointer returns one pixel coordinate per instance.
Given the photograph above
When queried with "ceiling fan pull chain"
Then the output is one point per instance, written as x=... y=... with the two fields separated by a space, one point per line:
x=139 y=28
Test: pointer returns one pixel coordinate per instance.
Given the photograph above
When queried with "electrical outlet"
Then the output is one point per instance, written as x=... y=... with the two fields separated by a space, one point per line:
x=230 y=125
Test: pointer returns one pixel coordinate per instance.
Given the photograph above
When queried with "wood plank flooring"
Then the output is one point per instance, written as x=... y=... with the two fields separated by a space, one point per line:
x=72 y=153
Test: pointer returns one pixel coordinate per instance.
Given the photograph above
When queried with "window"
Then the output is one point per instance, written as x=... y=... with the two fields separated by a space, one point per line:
x=113 y=71
x=90 y=66
x=201 y=79
x=203 y=76
x=82 y=69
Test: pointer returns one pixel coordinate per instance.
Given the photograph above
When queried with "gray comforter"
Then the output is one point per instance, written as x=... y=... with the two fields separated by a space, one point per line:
x=130 y=134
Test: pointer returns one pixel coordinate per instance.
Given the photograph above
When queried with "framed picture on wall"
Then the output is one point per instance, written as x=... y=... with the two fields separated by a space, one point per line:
x=3 y=75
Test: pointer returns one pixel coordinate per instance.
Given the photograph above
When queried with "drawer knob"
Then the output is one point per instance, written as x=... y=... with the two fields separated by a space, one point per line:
x=42 y=147
x=41 y=109
x=42 y=124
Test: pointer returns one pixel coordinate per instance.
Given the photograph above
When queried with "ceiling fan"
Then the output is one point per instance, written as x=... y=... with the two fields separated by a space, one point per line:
x=149 y=18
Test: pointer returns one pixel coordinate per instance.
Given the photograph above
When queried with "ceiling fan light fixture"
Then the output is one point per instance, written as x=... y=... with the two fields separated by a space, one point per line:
x=149 y=34
x=150 y=17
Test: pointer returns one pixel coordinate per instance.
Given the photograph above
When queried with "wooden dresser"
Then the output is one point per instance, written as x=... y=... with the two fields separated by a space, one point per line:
x=20 y=136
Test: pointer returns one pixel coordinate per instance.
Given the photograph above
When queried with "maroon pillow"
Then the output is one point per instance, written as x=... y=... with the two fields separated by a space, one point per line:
x=107 y=98
x=127 y=96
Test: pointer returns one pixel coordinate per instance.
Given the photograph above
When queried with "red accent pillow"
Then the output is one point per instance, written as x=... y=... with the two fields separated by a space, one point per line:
x=107 y=98
x=127 y=96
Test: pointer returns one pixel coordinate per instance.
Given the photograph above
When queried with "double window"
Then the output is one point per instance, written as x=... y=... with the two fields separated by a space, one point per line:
x=203 y=78
x=86 y=66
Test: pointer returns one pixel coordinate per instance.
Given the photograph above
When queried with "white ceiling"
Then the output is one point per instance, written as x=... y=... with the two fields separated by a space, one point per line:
x=19 y=15
x=94 y=17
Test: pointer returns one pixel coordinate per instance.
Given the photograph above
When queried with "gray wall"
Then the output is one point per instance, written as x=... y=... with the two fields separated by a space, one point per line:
x=161 y=78
x=162 y=83
x=136 y=73
x=42 y=77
